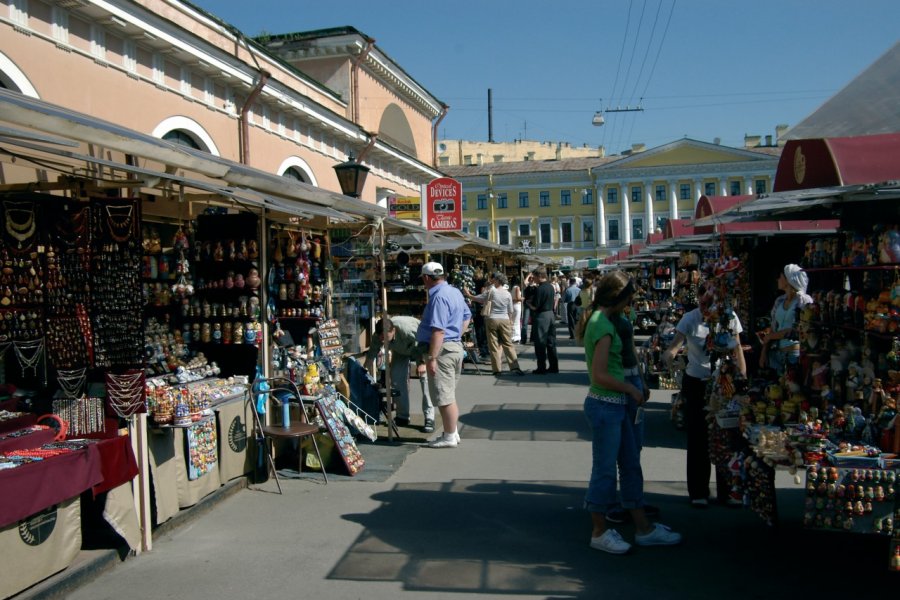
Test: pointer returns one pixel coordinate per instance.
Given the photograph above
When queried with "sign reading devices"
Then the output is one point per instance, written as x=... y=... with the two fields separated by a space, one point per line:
x=443 y=205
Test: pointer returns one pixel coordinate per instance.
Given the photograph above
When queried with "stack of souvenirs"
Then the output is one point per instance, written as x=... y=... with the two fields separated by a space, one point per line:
x=832 y=413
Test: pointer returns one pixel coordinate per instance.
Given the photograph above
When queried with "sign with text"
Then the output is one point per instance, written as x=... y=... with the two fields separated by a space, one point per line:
x=443 y=205
x=405 y=207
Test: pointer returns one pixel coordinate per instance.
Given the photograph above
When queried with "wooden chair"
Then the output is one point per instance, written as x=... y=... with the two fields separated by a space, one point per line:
x=277 y=391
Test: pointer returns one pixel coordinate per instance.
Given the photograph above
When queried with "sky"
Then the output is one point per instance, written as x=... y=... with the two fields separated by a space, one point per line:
x=701 y=69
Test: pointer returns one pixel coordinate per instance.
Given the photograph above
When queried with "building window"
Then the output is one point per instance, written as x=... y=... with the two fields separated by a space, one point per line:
x=612 y=195
x=523 y=199
x=735 y=188
x=465 y=201
x=565 y=198
x=483 y=232
x=760 y=185
x=61 y=25
x=481 y=202
x=612 y=230
x=587 y=231
x=636 y=193
x=503 y=235
x=684 y=191
x=660 y=193
x=295 y=174
x=18 y=12
x=524 y=229
x=565 y=233
x=465 y=228
x=544 y=230
x=661 y=223
x=502 y=201
x=709 y=189
x=129 y=56
x=587 y=196
x=637 y=229
x=544 y=199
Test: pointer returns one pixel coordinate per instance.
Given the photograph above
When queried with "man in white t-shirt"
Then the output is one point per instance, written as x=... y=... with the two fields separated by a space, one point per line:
x=693 y=331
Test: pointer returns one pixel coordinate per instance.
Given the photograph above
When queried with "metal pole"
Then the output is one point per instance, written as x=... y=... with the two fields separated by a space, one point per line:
x=490 y=116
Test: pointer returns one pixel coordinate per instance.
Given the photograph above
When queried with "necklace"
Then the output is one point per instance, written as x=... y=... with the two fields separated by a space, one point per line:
x=71 y=227
x=126 y=393
x=20 y=231
x=36 y=347
x=71 y=381
x=119 y=219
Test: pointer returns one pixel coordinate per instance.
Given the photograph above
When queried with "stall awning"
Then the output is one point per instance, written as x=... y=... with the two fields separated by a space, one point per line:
x=840 y=161
x=23 y=111
x=710 y=205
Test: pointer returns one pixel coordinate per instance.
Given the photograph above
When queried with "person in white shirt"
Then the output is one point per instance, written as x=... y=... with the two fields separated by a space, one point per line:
x=692 y=331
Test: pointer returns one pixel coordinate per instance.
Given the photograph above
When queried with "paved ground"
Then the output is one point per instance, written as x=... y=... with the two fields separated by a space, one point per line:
x=498 y=517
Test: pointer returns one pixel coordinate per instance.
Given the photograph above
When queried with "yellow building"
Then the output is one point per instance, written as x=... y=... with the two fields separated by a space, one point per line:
x=579 y=208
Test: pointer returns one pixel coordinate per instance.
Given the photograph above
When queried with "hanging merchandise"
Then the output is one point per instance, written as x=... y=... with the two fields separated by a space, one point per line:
x=203 y=448
x=20 y=223
x=72 y=382
x=84 y=415
x=126 y=392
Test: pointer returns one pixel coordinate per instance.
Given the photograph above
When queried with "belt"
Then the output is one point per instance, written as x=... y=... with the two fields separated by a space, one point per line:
x=609 y=397
x=632 y=371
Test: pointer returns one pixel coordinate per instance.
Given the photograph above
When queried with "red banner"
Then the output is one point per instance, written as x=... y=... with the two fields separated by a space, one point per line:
x=444 y=205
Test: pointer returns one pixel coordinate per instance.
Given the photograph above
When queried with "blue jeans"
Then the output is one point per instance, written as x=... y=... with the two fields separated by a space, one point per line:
x=614 y=444
x=637 y=382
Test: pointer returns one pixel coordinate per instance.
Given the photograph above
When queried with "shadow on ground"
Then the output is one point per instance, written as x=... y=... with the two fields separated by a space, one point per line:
x=503 y=537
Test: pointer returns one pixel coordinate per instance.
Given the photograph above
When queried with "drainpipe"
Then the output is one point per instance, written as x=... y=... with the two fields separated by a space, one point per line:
x=434 y=134
x=354 y=79
x=245 y=109
x=373 y=137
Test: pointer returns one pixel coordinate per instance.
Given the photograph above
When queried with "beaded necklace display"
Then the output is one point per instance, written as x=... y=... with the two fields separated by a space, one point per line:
x=84 y=415
x=20 y=230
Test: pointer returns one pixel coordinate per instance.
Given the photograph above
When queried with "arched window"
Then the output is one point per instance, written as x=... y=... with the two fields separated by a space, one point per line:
x=179 y=136
x=295 y=173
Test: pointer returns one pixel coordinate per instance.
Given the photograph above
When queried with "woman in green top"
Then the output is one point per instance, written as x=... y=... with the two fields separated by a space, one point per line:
x=615 y=443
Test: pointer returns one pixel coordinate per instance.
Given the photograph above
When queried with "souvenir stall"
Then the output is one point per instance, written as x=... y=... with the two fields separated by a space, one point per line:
x=132 y=315
x=826 y=407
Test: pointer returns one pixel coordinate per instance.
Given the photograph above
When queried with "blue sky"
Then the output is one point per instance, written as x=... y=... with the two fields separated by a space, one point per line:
x=722 y=70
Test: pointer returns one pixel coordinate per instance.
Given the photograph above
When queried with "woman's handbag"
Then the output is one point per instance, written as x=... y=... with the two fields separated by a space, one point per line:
x=486 y=309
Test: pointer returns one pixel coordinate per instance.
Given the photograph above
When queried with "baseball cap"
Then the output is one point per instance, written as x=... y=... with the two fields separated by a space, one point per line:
x=432 y=269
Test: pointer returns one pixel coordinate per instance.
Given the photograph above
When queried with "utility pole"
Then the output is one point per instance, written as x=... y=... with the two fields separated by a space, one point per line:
x=490 y=116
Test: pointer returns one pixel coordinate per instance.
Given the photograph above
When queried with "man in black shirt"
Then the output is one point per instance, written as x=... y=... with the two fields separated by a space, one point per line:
x=543 y=331
x=527 y=314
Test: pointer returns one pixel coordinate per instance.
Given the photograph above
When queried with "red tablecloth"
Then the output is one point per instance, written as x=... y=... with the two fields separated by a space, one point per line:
x=33 y=487
x=25 y=420
x=117 y=462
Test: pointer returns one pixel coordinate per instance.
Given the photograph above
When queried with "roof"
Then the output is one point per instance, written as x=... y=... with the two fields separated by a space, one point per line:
x=710 y=205
x=528 y=166
x=869 y=104
x=838 y=161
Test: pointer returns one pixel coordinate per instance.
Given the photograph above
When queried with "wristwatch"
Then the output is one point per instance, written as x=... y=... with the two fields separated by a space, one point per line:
x=430 y=358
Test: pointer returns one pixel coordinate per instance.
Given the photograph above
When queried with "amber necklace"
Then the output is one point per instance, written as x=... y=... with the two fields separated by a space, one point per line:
x=119 y=219
x=23 y=230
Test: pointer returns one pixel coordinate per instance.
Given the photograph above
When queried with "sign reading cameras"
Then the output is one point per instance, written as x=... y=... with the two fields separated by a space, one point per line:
x=443 y=205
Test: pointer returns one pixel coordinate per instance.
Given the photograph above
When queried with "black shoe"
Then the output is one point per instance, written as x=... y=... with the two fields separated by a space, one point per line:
x=497 y=373
x=539 y=372
x=401 y=421
x=553 y=370
x=518 y=372
x=429 y=426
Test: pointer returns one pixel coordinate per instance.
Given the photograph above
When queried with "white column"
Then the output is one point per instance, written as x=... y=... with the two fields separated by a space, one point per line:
x=723 y=186
x=748 y=184
x=626 y=214
x=698 y=191
x=649 y=197
x=673 y=199
x=601 y=214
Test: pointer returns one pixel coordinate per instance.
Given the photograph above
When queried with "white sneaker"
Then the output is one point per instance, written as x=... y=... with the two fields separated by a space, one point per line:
x=610 y=542
x=446 y=440
x=660 y=535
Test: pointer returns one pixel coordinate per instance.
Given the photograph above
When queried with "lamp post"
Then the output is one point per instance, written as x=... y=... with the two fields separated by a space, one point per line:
x=352 y=176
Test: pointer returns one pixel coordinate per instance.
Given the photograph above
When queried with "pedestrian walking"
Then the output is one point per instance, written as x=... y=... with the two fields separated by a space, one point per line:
x=571 y=309
x=611 y=407
x=401 y=349
x=543 y=331
x=692 y=331
x=516 y=292
x=498 y=302
x=527 y=313
x=445 y=318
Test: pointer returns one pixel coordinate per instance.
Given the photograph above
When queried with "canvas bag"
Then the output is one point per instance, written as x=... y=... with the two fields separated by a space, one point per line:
x=486 y=309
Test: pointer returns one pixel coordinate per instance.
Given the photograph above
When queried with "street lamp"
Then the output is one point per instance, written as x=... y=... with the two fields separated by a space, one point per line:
x=352 y=176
